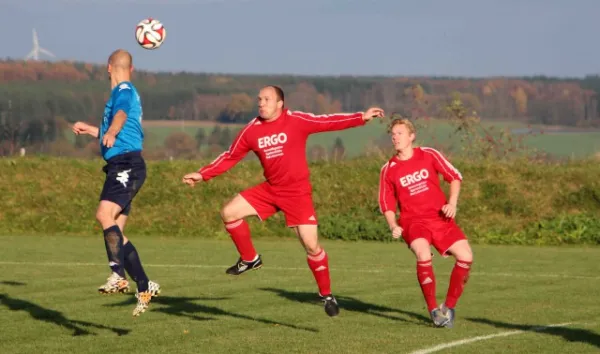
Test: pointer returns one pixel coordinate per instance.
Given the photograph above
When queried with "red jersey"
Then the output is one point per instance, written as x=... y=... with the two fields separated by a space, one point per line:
x=414 y=184
x=281 y=147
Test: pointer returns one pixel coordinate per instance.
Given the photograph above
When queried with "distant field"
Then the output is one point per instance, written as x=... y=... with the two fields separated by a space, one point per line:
x=178 y=124
x=556 y=141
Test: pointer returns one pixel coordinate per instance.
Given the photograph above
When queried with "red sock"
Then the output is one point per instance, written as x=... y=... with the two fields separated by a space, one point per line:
x=427 y=282
x=319 y=265
x=458 y=279
x=240 y=234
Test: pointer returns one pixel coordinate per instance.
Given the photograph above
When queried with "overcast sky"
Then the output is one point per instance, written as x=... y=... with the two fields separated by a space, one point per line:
x=324 y=37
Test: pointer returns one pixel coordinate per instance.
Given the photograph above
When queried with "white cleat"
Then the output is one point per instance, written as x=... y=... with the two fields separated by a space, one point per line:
x=114 y=284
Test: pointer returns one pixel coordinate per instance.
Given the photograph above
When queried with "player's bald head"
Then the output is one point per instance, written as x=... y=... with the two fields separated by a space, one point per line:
x=276 y=90
x=120 y=58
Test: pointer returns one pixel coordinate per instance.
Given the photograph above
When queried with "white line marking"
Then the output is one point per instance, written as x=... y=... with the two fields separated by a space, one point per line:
x=490 y=336
x=355 y=270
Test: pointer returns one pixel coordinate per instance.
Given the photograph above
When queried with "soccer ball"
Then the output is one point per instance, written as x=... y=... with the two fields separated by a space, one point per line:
x=150 y=33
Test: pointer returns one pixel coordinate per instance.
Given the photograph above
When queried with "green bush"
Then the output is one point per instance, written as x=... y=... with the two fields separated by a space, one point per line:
x=502 y=202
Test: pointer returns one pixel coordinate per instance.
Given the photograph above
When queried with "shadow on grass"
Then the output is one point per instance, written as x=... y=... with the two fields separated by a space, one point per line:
x=190 y=308
x=54 y=317
x=352 y=304
x=12 y=283
x=568 y=334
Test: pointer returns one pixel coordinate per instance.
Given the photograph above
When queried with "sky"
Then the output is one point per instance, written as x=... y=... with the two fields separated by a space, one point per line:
x=473 y=38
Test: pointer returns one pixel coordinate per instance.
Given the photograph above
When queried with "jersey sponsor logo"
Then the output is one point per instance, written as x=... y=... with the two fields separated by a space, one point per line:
x=272 y=140
x=415 y=177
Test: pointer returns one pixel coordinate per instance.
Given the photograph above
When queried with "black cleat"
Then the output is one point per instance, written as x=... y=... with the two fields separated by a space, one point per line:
x=242 y=266
x=331 y=305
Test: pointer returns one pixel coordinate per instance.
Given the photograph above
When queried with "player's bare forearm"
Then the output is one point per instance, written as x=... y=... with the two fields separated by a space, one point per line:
x=94 y=131
x=454 y=192
x=117 y=123
x=390 y=217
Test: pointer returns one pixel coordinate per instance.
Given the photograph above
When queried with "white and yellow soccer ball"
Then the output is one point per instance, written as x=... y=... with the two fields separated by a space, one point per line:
x=150 y=33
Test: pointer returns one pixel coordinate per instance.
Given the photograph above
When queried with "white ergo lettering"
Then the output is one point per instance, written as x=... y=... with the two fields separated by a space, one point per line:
x=414 y=177
x=272 y=140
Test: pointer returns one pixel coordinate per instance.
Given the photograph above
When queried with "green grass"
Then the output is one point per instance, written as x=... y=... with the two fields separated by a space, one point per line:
x=511 y=202
x=48 y=294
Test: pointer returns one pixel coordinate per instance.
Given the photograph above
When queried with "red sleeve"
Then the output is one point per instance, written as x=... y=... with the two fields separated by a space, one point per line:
x=328 y=122
x=236 y=152
x=387 y=196
x=442 y=165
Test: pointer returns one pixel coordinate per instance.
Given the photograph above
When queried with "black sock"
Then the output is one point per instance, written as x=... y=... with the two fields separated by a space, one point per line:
x=133 y=265
x=113 y=240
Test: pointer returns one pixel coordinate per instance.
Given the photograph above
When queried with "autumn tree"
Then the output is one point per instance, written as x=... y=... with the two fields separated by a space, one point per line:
x=181 y=145
x=520 y=98
x=237 y=110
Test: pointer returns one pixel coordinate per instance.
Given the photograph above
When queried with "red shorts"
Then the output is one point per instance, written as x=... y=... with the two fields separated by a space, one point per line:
x=298 y=210
x=440 y=233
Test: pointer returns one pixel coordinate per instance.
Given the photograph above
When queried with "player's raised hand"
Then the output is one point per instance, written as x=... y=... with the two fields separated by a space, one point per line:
x=396 y=232
x=449 y=210
x=192 y=178
x=108 y=140
x=373 y=112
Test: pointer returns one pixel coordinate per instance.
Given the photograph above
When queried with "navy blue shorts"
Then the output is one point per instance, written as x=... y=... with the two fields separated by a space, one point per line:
x=125 y=175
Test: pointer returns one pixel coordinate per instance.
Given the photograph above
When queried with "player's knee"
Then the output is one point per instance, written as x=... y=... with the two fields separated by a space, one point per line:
x=421 y=249
x=313 y=249
x=423 y=255
x=103 y=216
x=462 y=251
x=228 y=213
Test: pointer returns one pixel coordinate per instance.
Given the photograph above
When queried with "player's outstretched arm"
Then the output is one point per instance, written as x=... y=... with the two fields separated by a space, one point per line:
x=373 y=112
x=338 y=121
x=86 y=129
x=192 y=178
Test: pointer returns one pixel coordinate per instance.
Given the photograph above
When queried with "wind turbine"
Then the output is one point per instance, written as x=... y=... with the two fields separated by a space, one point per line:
x=35 y=52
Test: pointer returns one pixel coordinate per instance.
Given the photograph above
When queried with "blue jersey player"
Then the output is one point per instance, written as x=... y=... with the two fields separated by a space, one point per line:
x=121 y=141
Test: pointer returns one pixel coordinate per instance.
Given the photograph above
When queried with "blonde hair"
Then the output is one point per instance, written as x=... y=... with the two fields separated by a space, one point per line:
x=402 y=121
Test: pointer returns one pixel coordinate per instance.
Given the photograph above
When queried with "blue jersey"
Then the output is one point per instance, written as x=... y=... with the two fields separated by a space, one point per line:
x=131 y=137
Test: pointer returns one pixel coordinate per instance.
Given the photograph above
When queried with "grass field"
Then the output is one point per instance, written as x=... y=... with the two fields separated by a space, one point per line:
x=48 y=302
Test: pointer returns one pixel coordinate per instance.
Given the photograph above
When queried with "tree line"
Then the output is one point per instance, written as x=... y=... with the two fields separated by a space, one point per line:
x=75 y=90
x=38 y=100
